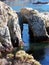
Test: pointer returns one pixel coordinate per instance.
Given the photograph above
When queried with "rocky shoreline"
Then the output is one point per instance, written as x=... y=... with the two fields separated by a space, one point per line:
x=19 y=58
x=38 y=23
x=11 y=23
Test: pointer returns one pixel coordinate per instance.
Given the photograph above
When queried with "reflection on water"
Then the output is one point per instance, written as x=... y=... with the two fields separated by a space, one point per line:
x=45 y=61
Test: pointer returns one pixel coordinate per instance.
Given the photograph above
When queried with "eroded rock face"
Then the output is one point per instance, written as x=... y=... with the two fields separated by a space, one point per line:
x=37 y=21
x=11 y=21
x=5 y=40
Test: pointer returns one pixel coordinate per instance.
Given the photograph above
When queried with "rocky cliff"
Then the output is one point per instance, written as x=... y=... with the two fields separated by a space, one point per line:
x=11 y=21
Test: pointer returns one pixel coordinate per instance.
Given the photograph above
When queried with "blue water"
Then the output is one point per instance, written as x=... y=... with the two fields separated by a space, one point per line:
x=25 y=36
x=18 y=4
x=40 y=51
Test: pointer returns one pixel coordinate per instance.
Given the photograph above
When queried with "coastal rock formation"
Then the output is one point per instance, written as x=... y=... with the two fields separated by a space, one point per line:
x=37 y=22
x=12 y=22
x=19 y=58
x=10 y=31
x=5 y=40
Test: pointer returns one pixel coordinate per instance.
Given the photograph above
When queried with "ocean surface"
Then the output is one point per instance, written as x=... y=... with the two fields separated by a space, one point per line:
x=18 y=4
x=40 y=51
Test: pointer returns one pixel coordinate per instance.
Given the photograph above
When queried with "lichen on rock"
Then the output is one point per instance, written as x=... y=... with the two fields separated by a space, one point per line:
x=24 y=57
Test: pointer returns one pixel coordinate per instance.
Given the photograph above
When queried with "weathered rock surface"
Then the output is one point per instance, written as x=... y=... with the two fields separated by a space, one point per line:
x=20 y=58
x=37 y=21
x=5 y=40
x=26 y=58
x=12 y=22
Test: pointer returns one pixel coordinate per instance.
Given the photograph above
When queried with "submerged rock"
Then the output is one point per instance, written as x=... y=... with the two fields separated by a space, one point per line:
x=38 y=2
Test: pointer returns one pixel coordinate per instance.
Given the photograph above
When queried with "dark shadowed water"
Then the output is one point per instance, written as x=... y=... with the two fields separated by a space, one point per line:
x=40 y=51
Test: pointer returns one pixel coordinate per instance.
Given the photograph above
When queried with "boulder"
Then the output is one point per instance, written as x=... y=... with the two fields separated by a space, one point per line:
x=11 y=20
x=37 y=22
